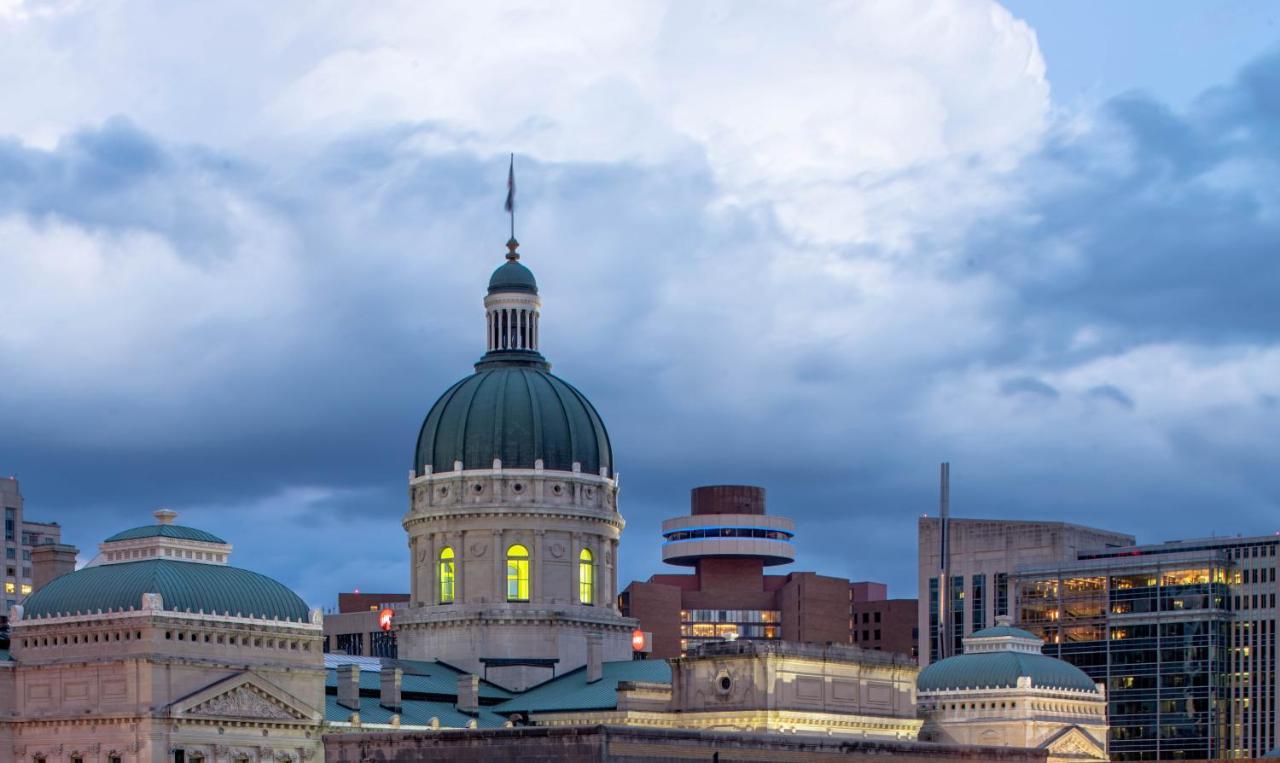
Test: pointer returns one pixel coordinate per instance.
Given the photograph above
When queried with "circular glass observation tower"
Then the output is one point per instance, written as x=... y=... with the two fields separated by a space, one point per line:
x=728 y=522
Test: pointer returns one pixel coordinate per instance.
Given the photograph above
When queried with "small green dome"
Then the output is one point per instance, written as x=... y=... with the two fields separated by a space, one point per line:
x=517 y=412
x=1000 y=631
x=512 y=276
x=183 y=586
x=166 y=531
x=1001 y=670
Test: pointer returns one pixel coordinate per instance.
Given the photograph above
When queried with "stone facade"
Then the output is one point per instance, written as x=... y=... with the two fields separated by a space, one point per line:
x=769 y=686
x=479 y=515
x=145 y=682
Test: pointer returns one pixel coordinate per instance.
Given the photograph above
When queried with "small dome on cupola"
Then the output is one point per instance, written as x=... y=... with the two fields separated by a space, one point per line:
x=512 y=275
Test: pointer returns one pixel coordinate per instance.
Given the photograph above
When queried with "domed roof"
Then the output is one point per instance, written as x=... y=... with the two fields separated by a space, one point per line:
x=512 y=276
x=165 y=531
x=1001 y=670
x=183 y=586
x=516 y=412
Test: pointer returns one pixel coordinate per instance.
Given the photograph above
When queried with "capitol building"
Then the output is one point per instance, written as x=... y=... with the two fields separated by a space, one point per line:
x=511 y=646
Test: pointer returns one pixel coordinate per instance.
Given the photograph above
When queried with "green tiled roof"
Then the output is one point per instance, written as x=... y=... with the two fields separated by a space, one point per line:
x=167 y=531
x=413 y=712
x=421 y=678
x=184 y=586
x=572 y=692
x=1001 y=670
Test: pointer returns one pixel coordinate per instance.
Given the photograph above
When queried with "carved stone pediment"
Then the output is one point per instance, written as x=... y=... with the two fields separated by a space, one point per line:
x=245 y=696
x=245 y=702
x=1072 y=744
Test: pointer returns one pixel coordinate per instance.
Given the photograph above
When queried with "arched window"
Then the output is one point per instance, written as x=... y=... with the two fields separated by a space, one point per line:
x=586 y=577
x=446 y=575
x=517 y=573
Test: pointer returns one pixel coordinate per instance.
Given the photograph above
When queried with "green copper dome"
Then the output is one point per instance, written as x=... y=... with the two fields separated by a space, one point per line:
x=183 y=586
x=515 y=410
x=167 y=531
x=1001 y=670
x=512 y=276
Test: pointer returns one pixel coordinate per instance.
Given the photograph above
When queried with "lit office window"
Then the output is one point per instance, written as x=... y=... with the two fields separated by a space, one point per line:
x=447 y=574
x=586 y=577
x=517 y=573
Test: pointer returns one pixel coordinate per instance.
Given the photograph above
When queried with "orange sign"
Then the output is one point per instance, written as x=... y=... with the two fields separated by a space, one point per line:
x=637 y=640
x=384 y=619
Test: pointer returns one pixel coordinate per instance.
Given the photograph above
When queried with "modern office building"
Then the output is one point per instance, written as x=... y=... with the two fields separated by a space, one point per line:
x=972 y=588
x=21 y=536
x=1183 y=633
x=729 y=540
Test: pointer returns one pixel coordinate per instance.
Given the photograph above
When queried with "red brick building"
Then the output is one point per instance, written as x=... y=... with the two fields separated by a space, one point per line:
x=880 y=623
x=728 y=540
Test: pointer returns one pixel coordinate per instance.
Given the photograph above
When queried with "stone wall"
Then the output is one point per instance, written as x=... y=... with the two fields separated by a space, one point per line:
x=583 y=744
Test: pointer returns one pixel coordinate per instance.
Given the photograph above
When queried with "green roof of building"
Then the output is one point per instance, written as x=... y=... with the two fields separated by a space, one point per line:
x=167 y=531
x=433 y=679
x=512 y=276
x=1001 y=670
x=413 y=712
x=515 y=412
x=183 y=586
x=998 y=631
x=572 y=692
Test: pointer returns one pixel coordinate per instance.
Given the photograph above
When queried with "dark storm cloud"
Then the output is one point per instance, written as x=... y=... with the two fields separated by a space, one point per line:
x=676 y=316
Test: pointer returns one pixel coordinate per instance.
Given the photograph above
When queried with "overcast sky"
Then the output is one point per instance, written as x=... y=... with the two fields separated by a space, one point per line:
x=243 y=248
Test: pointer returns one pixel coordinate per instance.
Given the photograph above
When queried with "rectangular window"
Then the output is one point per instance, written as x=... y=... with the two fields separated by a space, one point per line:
x=10 y=587
x=957 y=614
x=26 y=589
x=1002 y=594
x=979 y=602
x=933 y=620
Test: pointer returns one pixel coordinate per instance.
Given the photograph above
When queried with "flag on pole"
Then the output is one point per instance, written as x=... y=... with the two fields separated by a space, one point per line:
x=511 y=186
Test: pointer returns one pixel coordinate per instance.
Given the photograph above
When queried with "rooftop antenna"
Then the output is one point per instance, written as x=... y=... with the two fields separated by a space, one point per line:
x=510 y=206
x=944 y=558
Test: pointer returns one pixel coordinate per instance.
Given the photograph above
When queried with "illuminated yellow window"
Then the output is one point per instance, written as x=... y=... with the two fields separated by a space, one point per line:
x=586 y=578
x=517 y=573
x=10 y=587
x=26 y=589
x=446 y=575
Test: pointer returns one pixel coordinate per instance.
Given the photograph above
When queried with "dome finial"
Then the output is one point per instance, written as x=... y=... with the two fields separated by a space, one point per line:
x=512 y=245
x=165 y=516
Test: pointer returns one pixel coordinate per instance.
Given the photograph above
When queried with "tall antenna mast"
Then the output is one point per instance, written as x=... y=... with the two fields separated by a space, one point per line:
x=944 y=560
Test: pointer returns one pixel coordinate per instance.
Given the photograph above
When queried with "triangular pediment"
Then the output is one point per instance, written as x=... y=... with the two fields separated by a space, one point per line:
x=1074 y=743
x=244 y=696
